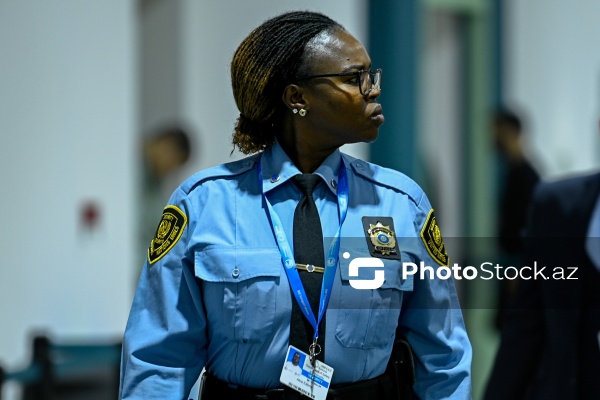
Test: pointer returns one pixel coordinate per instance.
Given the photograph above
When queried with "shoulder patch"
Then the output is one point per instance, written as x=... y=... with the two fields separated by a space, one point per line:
x=167 y=234
x=432 y=238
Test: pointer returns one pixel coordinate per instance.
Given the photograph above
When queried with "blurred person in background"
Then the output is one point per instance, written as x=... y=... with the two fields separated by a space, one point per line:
x=550 y=338
x=164 y=153
x=517 y=185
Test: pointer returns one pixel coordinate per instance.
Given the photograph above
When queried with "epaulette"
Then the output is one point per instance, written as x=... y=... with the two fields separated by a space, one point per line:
x=220 y=171
x=387 y=177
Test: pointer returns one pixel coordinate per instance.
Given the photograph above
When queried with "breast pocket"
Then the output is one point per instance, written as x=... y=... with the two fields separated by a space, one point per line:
x=240 y=291
x=367 y=318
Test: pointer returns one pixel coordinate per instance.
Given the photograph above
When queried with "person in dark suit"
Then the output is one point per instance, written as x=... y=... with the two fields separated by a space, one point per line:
x=520 y=179
x=550 y=339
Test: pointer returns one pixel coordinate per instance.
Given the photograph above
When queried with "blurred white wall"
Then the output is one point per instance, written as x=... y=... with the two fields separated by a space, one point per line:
x=67 y=126
x=441 y=129
x=553 y=76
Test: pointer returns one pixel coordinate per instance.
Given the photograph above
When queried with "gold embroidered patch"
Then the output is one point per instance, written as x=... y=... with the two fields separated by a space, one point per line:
x=167 y=234
x=432 y=238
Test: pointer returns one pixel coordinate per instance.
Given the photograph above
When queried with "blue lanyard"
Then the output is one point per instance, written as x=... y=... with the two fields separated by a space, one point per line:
x=332 y=255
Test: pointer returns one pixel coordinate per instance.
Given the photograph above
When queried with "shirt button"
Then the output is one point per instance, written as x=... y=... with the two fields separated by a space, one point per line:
x=235 y=273
x=334 y=183
x=274 y=178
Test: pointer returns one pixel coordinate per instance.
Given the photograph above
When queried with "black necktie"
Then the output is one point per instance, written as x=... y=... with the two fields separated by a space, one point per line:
x=308 y=249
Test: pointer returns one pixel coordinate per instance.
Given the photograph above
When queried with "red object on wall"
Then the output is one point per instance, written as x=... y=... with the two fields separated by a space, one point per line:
x=90 y=215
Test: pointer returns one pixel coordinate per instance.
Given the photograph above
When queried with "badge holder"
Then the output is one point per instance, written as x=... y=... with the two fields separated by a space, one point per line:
x=302 y=375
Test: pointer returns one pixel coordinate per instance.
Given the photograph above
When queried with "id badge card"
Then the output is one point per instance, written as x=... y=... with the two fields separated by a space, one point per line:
x=298 y=373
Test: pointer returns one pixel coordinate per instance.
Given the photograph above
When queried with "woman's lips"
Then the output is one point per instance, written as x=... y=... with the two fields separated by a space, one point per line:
x=377 y=114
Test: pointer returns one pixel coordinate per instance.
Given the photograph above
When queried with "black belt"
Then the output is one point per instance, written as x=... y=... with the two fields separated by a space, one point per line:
x=380 y=387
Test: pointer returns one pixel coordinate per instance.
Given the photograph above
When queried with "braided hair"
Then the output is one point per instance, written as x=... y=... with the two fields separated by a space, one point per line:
x=270 y=58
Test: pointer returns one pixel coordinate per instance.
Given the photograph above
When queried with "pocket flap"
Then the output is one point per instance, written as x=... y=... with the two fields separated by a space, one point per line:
x=230 y=264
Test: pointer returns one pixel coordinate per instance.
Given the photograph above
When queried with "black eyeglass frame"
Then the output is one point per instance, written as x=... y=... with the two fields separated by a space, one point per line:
x=372 y=74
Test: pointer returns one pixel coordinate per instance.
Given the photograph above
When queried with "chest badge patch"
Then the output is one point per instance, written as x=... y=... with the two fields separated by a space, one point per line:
x=432 y=238
x=381 y=237
x=167 y=234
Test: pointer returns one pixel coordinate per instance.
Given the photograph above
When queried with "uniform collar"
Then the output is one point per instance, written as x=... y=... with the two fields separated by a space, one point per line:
x=277 y=168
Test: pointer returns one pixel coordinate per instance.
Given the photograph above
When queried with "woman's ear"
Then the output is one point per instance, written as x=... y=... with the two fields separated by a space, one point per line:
x=294 y=97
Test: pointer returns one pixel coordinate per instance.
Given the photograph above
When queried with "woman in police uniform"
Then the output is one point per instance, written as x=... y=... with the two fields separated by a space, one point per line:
x=226 y=287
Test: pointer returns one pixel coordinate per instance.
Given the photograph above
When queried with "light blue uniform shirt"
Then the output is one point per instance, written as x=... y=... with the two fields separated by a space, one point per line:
x=219 y=298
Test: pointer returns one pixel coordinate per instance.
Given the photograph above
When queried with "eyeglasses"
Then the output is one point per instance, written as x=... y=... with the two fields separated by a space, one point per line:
x=366 y=79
